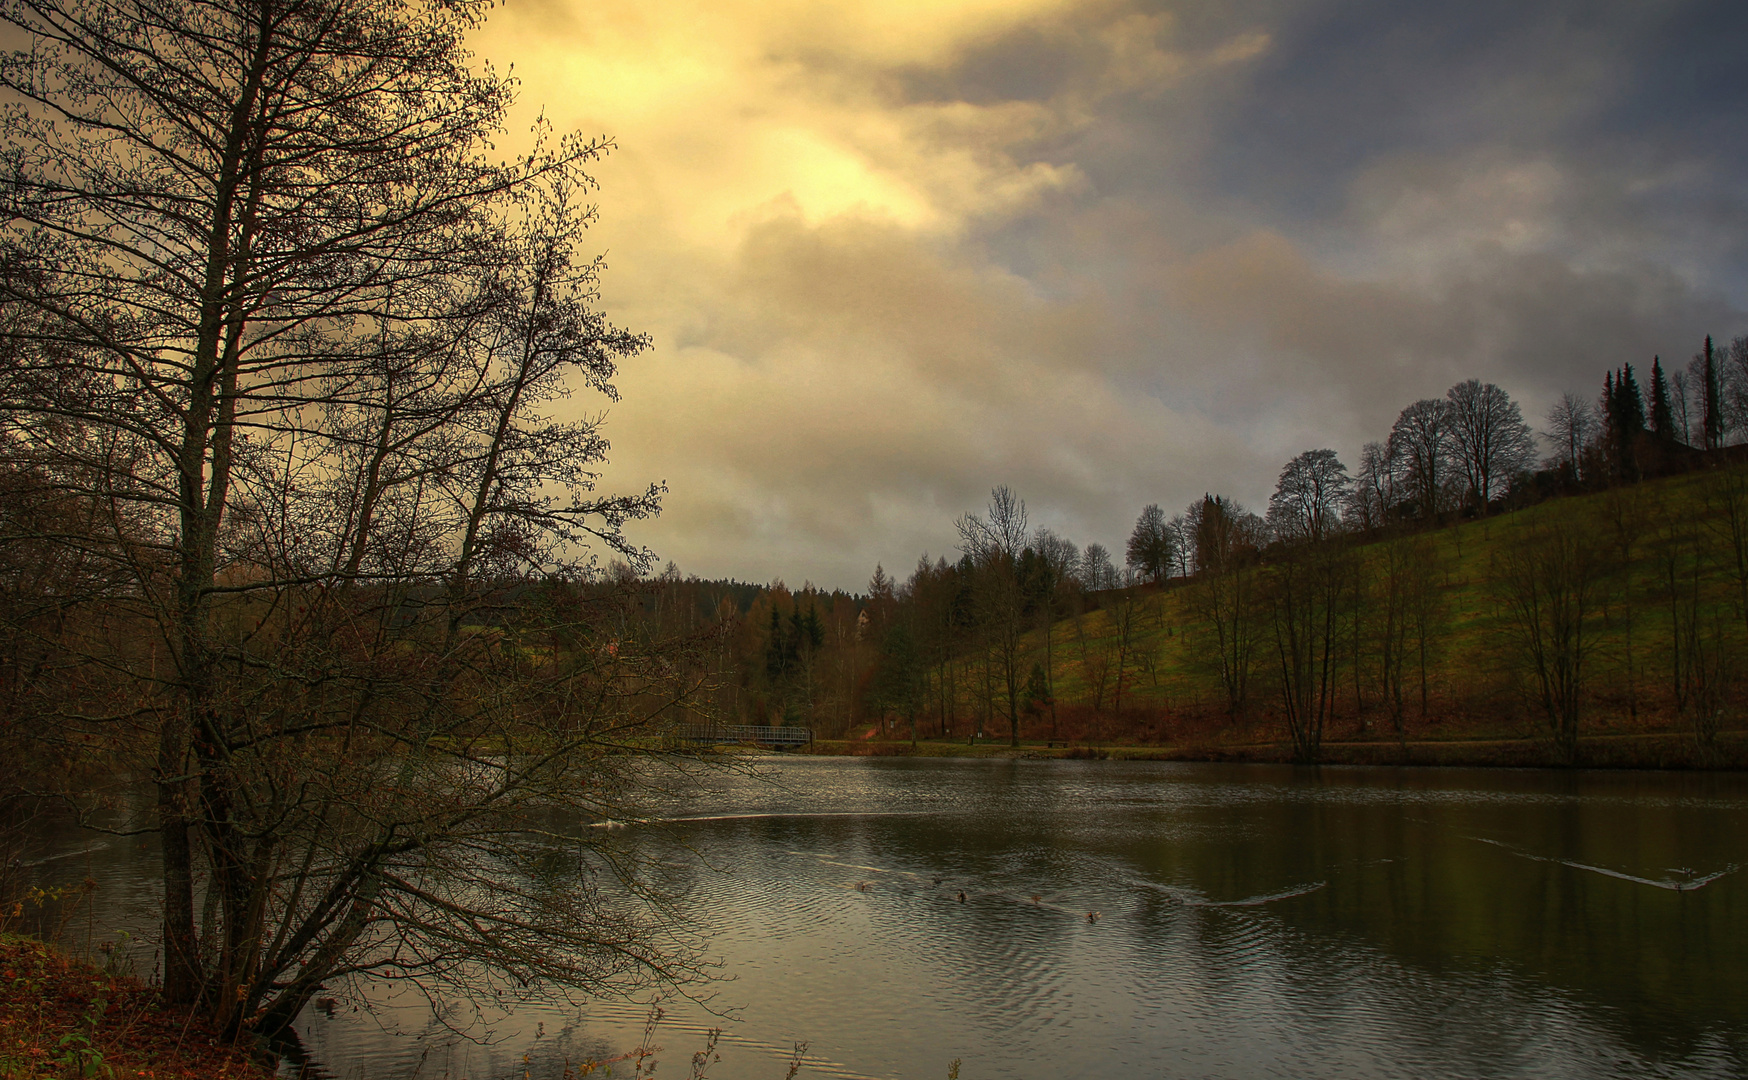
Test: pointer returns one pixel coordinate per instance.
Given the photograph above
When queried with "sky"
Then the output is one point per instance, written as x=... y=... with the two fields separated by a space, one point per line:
x=894 y=253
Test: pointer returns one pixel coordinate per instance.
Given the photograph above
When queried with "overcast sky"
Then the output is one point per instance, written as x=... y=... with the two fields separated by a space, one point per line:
x=894 y=253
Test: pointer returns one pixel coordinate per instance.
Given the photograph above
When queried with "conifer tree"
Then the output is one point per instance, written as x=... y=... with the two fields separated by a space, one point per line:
x=1662 y=414
x=1623 y=409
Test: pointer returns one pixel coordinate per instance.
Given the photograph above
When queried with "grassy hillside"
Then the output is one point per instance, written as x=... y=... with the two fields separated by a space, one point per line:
x=1667 y=585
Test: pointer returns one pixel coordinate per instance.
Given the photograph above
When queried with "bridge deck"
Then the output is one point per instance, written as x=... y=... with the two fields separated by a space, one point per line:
x=744 y=733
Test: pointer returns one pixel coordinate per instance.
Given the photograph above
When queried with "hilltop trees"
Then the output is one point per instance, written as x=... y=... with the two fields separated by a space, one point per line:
x=993 y=544
x=288 y=336
x=1306 y=503
x=1571 y=421
x=1372 y=500
x=1420 y=440
x=1151 y=545
x=1712 y=396
x=1623 y=421
x=1489 y=442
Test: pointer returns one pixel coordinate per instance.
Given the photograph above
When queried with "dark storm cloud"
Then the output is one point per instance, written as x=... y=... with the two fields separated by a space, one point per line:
x=1645 y=98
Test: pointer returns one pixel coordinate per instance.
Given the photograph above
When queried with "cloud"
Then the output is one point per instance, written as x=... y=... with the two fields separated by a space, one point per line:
x=1112 y=252
x=861 y=389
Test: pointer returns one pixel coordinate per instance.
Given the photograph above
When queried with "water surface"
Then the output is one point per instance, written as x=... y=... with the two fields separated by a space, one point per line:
x=1152 y=920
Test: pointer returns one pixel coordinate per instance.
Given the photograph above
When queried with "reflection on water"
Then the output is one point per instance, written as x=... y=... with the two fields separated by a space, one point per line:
x=1081 y=919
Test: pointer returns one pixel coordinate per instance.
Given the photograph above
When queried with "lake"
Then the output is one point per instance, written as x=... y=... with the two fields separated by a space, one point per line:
x=1139 y=919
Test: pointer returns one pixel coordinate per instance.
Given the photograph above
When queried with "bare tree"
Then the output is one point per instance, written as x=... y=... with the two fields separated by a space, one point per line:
x=1571 y=424
x=1421 y=440
x=1629 y=515
x=1097 y=572
x=994 y=543
x=1307 y=596
x=1548 y=577
x=1374 y=495
x=1224 y=598
x=1123 y=610
x=1059 y=559
x=1150 y=550
x=1306 y=502
x=1700 y=658
x=1489 y=442
x=1392 y=585
x=1734 y=379
x=281 y=322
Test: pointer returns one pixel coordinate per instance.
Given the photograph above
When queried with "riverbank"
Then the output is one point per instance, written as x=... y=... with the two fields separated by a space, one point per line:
x=1656 y=750
x=61 y=1017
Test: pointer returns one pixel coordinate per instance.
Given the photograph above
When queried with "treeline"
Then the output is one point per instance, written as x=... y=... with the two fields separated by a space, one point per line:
x=1354 y=601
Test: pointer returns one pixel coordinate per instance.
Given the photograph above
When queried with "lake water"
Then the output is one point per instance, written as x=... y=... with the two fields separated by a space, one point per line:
x=1248 y=921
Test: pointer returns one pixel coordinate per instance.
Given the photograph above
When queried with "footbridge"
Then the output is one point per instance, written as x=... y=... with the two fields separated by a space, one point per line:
x=756 y=734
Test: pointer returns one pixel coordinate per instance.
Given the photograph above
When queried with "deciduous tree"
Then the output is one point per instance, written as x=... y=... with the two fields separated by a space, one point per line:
x=1306 y=504
x=1150 y=545
x=292 y=334
x=1489 y=442
x=1421 y=440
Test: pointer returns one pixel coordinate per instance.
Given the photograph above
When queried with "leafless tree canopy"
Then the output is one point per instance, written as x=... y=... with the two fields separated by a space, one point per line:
x=1489 y=440
x=1421 y=440
x=1306 y=505
x=285 y=342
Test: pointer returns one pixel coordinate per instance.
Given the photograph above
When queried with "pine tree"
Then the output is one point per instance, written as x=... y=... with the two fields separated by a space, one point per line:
x=1623 y=409
x=1662 y=413
x=1632 y=402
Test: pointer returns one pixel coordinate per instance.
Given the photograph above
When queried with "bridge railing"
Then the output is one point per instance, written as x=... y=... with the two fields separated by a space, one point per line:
x=760 y=734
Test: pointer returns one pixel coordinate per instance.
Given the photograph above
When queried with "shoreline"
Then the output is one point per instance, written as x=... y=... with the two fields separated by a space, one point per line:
x=63 y=1016
x=1655 y=750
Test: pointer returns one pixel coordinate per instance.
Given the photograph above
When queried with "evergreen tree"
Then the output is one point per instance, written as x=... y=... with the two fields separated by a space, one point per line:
x=1624 y=414
x=1662 y=413
x=779 y=650
x=1632 y=402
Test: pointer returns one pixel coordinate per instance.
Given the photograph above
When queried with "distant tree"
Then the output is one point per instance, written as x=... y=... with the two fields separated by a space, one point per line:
x=1183 y=545
x=1059 y=560
x=1680 y=404
x=1305 y=504
x=1097 y=572
x=1307 y=597
x=1123 y=611
x=1712 y=423
x=882 y=597
x=1489 y=441
x=1374 y=494
x=901 y=683
x=1662 y=405
x=1224 y=599
x=1226 y=534
x=1421 y=440
x=1735 y=384
x=1624 y=421
x=1548 y=578
x=1151 y=545
x=1571 y=422
x=993 y=543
